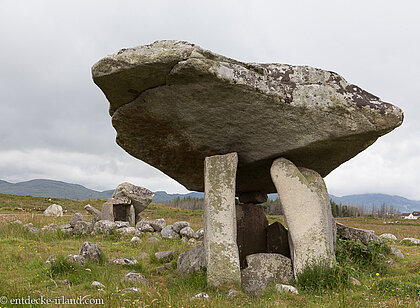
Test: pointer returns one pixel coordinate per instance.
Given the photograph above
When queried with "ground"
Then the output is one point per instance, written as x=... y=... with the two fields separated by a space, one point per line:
x=23 y=272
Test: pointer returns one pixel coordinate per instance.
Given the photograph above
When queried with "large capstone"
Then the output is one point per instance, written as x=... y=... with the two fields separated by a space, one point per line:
x=174 y=103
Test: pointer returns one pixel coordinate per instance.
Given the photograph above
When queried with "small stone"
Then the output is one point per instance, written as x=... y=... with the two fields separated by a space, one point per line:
x=192 y=241
x=121 y=224
x=50 y=260
x=123 y=261
x=135 y=239
x=180 y=225
x=76 y=259
x=98 y=284
x=165 y=256
x=133 y=277
x=168 y=232
x=388 y=236
x=104 y=226
x=187 y=232
x=82 y=227
x=75 y=218
x=153 y=239
x=158 y=224
x=390 y=262
x=28 y=225
x=232 y=293
x=284 y=288
x=396 y=252
x=127 y=230
x=90 y=251
x=33 y=230
x=355 y=282
x=54 y=210
x=192 y=260
x=48 y=229
x=144 y=226
x=201 y=296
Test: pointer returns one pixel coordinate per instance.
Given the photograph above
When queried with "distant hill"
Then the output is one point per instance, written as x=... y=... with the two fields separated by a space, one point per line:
x=58 y=189
x=53 y=189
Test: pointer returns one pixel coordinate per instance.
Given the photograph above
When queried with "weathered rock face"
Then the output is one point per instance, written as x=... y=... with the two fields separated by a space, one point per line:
x=174 y=103
x=192 y=260
x=251 y=230
x=355 y=234
x=263 y=269
x=53 y=210
x=140 y=197
x=307 y=212
x=277 y=239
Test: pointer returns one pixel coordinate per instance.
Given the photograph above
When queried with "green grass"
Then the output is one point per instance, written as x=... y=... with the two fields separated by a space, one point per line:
x=23 y=272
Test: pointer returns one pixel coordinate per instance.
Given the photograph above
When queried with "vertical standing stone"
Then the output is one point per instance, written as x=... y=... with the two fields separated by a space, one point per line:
x=220 y=220
x=251 y=230
x=307 y=211
x=131 y=215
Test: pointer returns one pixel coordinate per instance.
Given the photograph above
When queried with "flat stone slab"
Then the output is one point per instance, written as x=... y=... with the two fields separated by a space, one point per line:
x=174 y=103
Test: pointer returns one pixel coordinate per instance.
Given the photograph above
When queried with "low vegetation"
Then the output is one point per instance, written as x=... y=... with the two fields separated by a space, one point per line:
x=23 y=272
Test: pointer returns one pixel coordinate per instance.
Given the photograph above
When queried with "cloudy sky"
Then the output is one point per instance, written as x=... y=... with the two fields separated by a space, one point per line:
x=55 y=123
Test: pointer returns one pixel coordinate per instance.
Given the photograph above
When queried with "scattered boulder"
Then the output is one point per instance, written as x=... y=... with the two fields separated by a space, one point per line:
x=192 y=260
x=177 y=226
x=123 y=261
x=135 y=278
x=127 y=230
x=168 y=232
x=199 y=235
x=355 y=282
x=410 y=240
x=232 y=293
x=158 y=224
x=388 y=236
x=144 y=226
x=355 y=234
x=93 y=211
x=66 y=228
x=76 y=259
x=33 y=230
x=187 y=232
x=277 y=239
x=130 y=290
x=284 y=288
x=28 y=225
x=263 y=269
x=121 y=224
x=54 y=210
x=165 y=256
x=75 y=218
x=48 y=229
x=90 y=251
x=82 y=227
x=396 y=252
x=135 y=239
x=104 y=226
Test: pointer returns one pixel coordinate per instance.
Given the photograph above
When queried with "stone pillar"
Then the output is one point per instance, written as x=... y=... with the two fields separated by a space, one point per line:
x=307 y=212
x=220 y=220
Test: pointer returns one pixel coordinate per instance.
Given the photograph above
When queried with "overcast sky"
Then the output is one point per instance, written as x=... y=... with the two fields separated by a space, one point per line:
x=55 y=122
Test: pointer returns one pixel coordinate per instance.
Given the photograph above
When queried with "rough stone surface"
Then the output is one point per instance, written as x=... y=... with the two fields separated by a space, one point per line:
x=104 y=226
x=187 y=232
x=33 y=230
x=144 y=226
x=95 y=212
x=177 y=226
x=54 y=210
x=199 y=235
x=158 y=224
x=411 y=240
x=168 y=232
x=82 y=227
x=140 y=197
x=355 y=234
x=90 y=251
x=97 y=284
x=264 y=269
x=172 y=104
x=201 y=296
x=50 y=259
x=251 y=230
x=388 y=236
x=354 y=281
x=135 y=278
x=220 y=234
x=284 y=288
x=277 y=239
x=76 y=259
x=135 y=240
x=396 y=252
x=307 y=211
x=255 y=197
x=75 y=218
x=192 y=260
x=165 y=256
x=127 y=230
x=66 y=228
x=121 y=224
x=130 y=290
x=123 y=261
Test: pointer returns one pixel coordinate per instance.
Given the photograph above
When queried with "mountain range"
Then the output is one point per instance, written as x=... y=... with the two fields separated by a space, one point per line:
x=58 y=189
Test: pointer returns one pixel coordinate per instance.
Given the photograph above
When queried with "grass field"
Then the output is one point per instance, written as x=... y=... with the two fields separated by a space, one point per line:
x=23 y=272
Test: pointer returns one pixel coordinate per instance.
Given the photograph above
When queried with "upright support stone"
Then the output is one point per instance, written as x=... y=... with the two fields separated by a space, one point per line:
x=307 y=212
x=220 y=220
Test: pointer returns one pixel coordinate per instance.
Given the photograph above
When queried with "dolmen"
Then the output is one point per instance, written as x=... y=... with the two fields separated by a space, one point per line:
x=235 y=129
